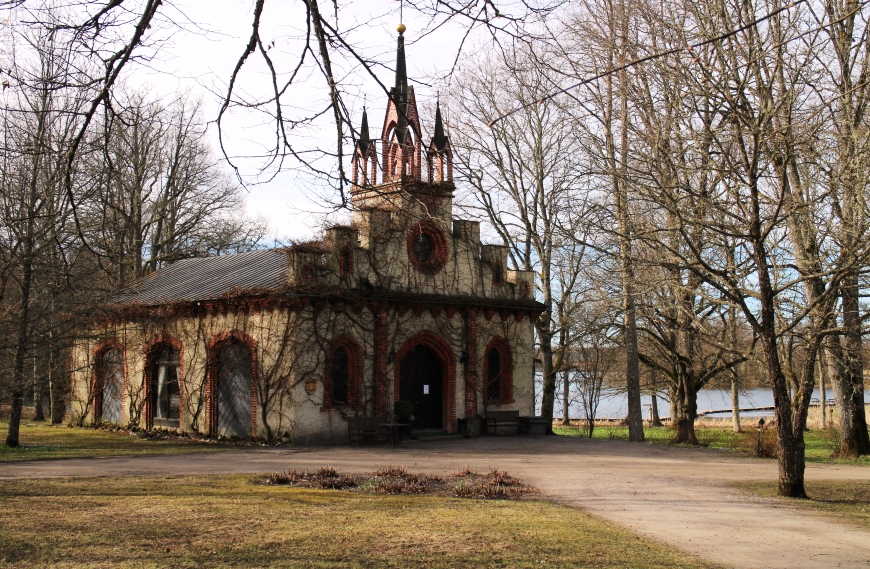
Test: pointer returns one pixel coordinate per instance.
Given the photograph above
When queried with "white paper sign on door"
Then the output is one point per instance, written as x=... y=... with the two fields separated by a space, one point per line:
x=425 y=390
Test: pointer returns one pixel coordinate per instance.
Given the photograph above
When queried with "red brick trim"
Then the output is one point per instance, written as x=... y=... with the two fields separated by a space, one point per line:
x=443 y=352
x=380 y=379
x=440 y=254
x=146 y=379
x=211 y=380
x=470 y=323
x=507 y=371
x=525 y=289
x=354 y=373
x=97 y=377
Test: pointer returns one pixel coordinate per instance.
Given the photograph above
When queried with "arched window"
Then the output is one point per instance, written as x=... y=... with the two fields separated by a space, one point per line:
x=498 y=372
x=345 y=260
x=497 y=274
x=340 y=376
x=493 y=375
x=343 y=377
x=108 y=396
x=165 y=391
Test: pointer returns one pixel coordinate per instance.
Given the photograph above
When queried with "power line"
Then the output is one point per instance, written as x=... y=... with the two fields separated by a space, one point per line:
x=650 y=57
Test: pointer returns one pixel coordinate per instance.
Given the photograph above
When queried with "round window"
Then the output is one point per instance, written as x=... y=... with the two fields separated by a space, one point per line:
x=427 y=247
x=423 y=247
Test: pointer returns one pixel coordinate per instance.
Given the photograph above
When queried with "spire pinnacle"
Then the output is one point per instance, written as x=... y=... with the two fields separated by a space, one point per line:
x=364 y=140
x=440 y=139
x=400 y=91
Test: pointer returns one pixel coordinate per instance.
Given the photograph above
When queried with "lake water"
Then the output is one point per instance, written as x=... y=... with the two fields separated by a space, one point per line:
x=614 y=405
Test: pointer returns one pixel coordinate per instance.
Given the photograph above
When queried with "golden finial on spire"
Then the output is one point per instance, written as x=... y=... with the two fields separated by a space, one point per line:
x=401 y=29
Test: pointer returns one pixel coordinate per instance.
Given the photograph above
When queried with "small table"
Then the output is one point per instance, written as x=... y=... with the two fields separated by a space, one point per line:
x=532 y=426
x=393 y=429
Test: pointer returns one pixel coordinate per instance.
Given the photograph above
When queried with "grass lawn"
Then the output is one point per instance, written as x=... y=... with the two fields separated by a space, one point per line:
x=819 y=445
x=43 y=440
x=218 y=521
x=845 y=500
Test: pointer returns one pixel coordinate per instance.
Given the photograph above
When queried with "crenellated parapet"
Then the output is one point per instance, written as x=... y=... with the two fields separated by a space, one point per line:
x=383 y=250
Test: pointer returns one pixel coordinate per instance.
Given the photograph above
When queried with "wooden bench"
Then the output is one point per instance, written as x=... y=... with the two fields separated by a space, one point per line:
x=495 y=419
x=366 y=428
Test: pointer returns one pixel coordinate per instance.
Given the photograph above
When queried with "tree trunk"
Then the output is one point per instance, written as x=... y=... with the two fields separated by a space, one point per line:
x=548 y=392
x=39 y=413
x=654 y=409
x=735 y=403
x=855 y=440
x=686 y=412
x=566 y=419
x=841 y=382
x=791 y=446
x=18 y=382
x=57 y=400
x=823 y=388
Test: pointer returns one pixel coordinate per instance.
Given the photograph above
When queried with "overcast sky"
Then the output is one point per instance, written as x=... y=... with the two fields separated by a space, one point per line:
x=199 y=58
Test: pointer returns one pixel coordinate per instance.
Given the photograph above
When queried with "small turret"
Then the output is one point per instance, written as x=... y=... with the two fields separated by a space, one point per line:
x=365 y=157
x=439 y=157
x=401 y=145
x=399 y=93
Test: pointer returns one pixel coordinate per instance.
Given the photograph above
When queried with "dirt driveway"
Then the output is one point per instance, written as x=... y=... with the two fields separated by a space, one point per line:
x=675 y=495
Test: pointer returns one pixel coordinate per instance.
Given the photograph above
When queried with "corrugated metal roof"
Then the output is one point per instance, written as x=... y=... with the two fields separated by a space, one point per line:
x=209 y=278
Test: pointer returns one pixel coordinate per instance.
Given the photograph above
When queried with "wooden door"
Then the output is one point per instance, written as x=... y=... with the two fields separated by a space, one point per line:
x=421 y=381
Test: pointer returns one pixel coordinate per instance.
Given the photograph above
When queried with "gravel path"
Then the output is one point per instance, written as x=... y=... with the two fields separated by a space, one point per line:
x=677 y=496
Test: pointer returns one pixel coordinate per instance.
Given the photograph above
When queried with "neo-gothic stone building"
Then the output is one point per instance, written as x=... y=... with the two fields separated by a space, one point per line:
x=404 y=303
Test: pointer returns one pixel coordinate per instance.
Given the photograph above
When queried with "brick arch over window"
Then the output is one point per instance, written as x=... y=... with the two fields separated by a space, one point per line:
x=498 y=366
x=443 y=352
x=148 y=354
x=98 y=376
x=354 y=374
x=214 y=346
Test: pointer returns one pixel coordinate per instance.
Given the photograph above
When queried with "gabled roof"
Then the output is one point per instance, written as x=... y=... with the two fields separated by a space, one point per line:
x=209 y=278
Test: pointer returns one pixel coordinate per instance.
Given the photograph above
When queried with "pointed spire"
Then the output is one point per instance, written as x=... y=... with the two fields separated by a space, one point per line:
x=400 y=91
x=440 y=139
x=364 y=140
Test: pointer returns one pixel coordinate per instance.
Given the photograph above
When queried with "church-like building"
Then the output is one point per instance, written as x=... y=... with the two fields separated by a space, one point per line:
x=404 y=303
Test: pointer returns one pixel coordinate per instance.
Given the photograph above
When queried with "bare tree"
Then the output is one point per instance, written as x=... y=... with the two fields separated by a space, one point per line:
x=39 y=259
x=593 y=355
x=524 y=173
x=845 y=62
x=160 y=194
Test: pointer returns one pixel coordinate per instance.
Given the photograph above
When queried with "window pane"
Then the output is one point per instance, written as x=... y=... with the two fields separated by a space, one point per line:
x=493 y=379
x=340 y=374
x=166 y=395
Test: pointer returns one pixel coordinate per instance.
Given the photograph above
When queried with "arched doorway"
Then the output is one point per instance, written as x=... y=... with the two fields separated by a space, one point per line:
x=421 y=381
x=234 y=389
x=110 y=381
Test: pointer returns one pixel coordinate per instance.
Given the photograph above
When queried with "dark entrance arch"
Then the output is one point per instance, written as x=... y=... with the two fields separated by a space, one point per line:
x=234 y=389
x=109 y=394
x=421 y=381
